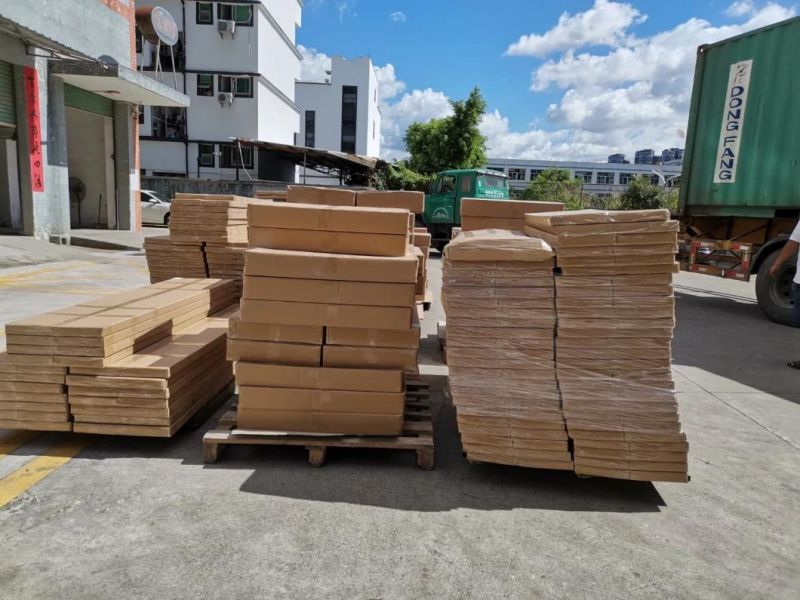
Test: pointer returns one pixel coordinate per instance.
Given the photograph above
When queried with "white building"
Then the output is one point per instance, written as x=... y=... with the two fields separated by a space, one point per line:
x=342 y=114
x=238 y=62
x=598 y=178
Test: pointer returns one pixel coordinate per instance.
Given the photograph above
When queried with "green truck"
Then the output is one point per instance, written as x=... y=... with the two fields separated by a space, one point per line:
x=443 y=203
x=741 y=176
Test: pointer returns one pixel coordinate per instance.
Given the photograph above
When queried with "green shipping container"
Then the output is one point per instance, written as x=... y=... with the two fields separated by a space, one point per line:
x=743 y=145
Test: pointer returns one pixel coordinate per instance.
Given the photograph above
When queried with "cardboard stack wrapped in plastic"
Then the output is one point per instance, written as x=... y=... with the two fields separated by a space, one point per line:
x=498 y=293
x=326 y=328
x=615 y=307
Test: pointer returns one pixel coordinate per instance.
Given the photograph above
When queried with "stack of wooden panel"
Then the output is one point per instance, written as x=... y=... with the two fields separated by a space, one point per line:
x=33 y=397
x=274 y=195
x=422 y=241
x=498 y=294
x=479 y=213
x=209 y=218
x=154 y=392
x=615 y=309
x=323 y=338
x=102 y=331
x=309 y=194
x=226 y=261
x=168 y=258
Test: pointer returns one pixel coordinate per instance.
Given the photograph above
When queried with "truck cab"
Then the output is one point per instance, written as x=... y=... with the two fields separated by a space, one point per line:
x=443 y=203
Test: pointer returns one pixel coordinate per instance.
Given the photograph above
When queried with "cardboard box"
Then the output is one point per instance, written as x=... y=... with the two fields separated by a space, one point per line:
x=333 y=315
x=321 y=401
x=344 y=219
x=307 y=194
x=329 y=292
x=310 y=240
x=477 y=223
x=314 y=422
x=264 y=332
x=422 y=240
x=354 y=380
x=499 y=246
x=375 y=338
x=304 y=355
x=263 y=262
x=377 y=358
x=411 y=201
x=505 y=209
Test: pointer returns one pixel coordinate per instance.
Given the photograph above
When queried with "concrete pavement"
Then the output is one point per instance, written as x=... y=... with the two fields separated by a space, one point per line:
x=134 y=518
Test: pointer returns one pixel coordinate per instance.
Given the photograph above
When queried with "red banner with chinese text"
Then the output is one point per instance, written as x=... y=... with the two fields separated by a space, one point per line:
x=31 y=85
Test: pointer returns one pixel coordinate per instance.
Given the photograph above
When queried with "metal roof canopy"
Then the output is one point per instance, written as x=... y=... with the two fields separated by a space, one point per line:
x=117 y=83
x=317 y=159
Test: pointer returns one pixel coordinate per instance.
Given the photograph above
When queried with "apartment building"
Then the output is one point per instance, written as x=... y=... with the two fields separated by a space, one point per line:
x=238 y=62
x=340 y=114
x=69 y=98
x=598 y=178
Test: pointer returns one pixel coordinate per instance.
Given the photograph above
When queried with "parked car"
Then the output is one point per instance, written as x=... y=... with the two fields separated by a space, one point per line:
x=155 y=208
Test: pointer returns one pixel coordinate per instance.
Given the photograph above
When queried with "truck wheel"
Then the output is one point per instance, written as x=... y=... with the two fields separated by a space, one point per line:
x=774 y=294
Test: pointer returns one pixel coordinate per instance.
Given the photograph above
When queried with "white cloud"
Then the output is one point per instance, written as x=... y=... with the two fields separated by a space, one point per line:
x=605 y=24
x=389 y=85
x=740 y=8
x=398 y=16
x=314 y=65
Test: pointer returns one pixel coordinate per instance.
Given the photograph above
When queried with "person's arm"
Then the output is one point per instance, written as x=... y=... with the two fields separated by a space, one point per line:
x=789 y=250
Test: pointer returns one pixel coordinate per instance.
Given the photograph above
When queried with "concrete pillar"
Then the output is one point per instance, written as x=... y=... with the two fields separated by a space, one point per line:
x=125 y=170
x=10 y=209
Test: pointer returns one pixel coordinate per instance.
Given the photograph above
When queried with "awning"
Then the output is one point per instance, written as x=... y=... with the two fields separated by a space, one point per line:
x=317 y=159
x=117 y=83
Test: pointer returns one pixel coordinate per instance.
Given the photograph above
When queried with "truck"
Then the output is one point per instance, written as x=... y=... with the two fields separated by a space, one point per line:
x=740 y=188
x=443 y=203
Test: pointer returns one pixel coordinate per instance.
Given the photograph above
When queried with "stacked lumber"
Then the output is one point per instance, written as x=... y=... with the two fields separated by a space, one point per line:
x=500 y=214
x=154 y=392
x=209 y=218
x=615 y=308
x=168 y=258
x=309 y=194
x=498 y=293
x=33 y=397
x=325 y=330
x=102 y=331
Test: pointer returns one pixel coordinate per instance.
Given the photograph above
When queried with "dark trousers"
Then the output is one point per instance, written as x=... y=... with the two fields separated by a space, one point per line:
x=796 y=289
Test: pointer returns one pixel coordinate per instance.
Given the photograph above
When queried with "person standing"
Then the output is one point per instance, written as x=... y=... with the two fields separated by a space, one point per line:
x=789 y=250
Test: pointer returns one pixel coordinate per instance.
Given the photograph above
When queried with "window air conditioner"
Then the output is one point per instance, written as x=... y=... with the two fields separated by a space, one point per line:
x=224 y=26
x=225 y=98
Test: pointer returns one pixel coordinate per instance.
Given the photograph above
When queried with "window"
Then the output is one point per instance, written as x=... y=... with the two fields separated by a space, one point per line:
x=447 y=184
x=231 y=158
x=166 y=53
x=241 y=13
x=205 y=84
x=584 y=176
x=311 y=128
x=168 y=123
x=535 y=173
x=205 y=13
x=605 y=178
x=205 y=155
x=465 y=185
x=655 y=180
x=492 y=182
x=141 y=114
x=242 y=88
x=349 y=116
x=626 y=178
x=138 y=41
x=516 y=174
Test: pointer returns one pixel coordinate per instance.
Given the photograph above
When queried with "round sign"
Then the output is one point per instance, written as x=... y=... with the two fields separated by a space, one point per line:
x=157 y=25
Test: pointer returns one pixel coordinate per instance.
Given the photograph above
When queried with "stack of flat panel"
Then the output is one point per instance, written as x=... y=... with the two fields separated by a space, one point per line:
x=168 y=258
x=226 y=261
x=422 y=241
x=209 y=218
x=102 y=331
x=498 y=294
x=33 y=397
x=479 y=213
x=309 y=194
x=155 y=391
x=616 y=309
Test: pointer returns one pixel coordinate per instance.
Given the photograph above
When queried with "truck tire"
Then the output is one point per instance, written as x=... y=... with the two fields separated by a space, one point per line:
x=774 y=294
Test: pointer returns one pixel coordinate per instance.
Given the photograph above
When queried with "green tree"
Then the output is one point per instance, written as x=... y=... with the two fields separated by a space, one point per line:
x=556 y=185
x=643 y=194
x=454 y=142
x=400 y=177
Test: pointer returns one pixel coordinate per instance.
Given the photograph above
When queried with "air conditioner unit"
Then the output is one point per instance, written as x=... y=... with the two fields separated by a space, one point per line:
x=225 y=98
x=225 y=26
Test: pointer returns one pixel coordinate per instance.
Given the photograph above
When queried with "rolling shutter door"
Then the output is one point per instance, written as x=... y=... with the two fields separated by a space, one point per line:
x=88 y=101
x=8 y=112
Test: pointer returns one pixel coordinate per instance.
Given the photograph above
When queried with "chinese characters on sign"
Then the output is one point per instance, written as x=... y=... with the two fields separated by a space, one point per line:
x=31 y=84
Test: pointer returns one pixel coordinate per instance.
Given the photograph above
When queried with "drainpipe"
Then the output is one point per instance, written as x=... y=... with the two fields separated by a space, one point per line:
x=186 y=120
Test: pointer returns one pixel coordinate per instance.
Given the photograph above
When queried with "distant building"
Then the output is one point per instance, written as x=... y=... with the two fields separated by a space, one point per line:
x=644 y=157
x=671 y=155
x=341 y=114
x=617 y=159
x=607 y=179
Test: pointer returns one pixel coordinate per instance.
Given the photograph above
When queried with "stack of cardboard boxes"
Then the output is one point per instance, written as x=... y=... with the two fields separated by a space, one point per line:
x=168 y=258
x=500 y=214
x=498 y=293
x=309 y=194
x=209 y=218
x=615 y=310
x=33 y=397
x=325 y=331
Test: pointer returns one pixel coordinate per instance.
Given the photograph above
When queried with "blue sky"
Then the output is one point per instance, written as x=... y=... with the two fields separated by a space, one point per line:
x=573 y=79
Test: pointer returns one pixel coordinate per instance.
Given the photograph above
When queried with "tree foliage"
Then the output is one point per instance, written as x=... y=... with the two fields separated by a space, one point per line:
x=400 y=177
x=454 y=142
x=643 y=194
x=555 y=185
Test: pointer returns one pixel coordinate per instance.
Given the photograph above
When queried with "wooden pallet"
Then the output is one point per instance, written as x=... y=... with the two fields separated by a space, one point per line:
x=417 y=434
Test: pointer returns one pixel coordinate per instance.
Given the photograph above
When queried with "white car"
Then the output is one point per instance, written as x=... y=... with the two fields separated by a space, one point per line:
x=155 y=208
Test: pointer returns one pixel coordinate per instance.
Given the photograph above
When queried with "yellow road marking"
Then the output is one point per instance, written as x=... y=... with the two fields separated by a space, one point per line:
x=16 y=440
x=12 y=278
x=18 y=482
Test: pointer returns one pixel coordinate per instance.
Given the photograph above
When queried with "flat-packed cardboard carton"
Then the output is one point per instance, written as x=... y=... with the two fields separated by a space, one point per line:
x=411 y=201
x=344 y=219
x=320 y=400
x=304 y=355
x=497 y=245
x=318 y=378
x=375 y=338
x=298 y=421
x=333 y=315
x=329 y=292
x=477 y=223
x=375 y=358
x=310 y=240
x=308 y=194
x=264 y=332
x=263 y=262
x=505 y=209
